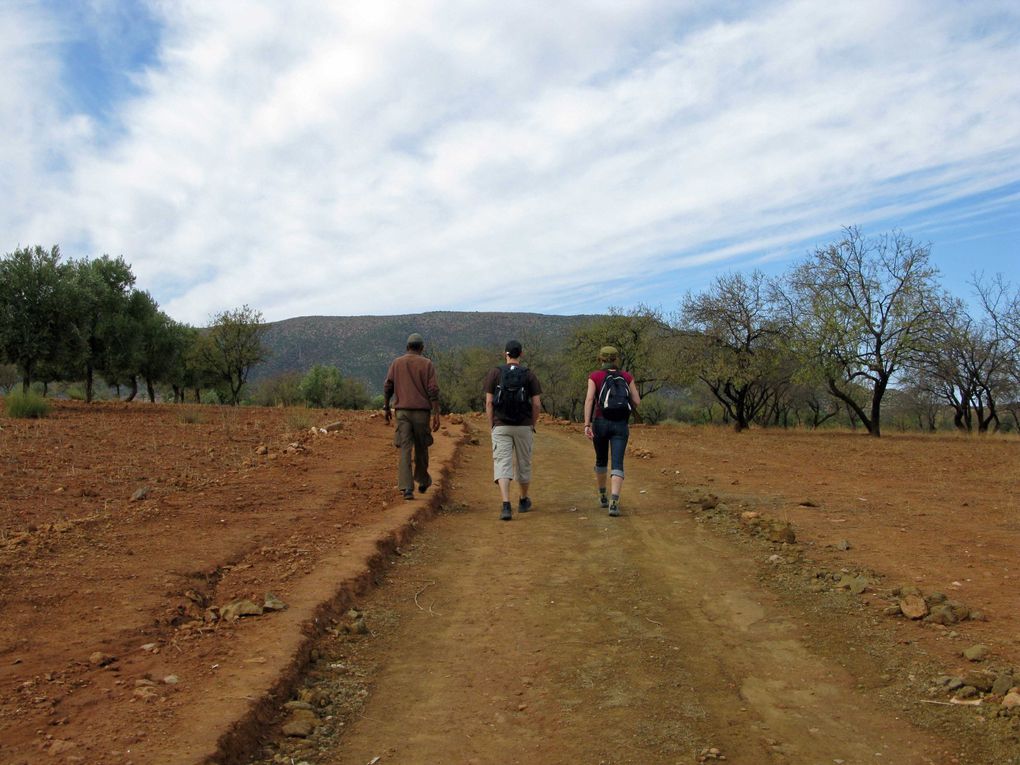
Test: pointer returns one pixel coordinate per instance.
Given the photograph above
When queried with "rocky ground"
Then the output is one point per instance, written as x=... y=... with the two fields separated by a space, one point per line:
x=182 y=584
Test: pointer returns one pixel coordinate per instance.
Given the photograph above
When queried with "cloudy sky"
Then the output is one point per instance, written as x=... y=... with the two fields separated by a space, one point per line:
x=308 y=157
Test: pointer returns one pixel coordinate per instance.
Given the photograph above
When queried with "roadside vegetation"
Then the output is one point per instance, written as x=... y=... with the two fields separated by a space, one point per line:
x=859 y=334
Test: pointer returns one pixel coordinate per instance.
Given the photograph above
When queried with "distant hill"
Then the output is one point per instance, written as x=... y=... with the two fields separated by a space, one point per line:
x=363 y=346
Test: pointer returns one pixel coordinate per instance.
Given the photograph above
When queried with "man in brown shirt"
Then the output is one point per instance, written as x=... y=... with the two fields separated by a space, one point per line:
x=411 y=383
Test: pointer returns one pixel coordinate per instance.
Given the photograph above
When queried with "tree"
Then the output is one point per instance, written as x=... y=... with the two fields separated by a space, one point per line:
x=99 y=303
x=461 y=373
x=33 y=300
x=863 y=309
x=232 y=346
x=732 y=336
x=644 y=340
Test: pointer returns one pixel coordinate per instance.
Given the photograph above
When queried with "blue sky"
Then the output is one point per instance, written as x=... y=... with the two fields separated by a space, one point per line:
x=393 y=157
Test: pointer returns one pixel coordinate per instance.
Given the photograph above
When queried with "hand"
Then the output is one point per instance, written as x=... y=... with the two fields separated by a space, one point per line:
x=588 y=432
x=435 y=423
x=387 y=413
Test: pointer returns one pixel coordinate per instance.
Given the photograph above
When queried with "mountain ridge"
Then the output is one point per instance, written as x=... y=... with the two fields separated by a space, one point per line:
x=363 y=346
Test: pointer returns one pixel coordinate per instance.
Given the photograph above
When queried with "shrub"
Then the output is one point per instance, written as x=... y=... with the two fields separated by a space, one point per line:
x=26 y=405
x=191 y=416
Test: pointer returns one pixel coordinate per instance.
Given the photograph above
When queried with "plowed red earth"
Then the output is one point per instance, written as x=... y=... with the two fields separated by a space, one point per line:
x=89 y=575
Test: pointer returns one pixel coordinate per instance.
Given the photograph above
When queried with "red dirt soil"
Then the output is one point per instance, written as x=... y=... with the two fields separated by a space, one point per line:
x=122 y=524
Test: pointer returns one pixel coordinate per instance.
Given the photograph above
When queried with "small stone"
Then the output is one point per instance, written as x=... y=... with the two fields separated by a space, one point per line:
x=893 y=610
x=100 y=659
x=235 y=609
x=1002 y=685
x=150 y=647
x=1012 y=700
x=171 y=680
x=942 y=614
x=843 y=545
x=980 y=679
x=273 y=603
x=749 y=517
x=913 y=606
x=333 y=426
x=140 y=494
x=967 y=692
x=935 y=598
x=301 y=724
x=977 y=652
x=262 y=450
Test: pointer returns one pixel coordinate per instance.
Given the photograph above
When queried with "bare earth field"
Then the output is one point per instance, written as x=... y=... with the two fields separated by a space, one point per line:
x=686 y=631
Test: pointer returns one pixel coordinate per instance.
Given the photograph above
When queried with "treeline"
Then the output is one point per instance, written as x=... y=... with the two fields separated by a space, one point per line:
x=857 y=333
x=856 y=328
x=73 y=322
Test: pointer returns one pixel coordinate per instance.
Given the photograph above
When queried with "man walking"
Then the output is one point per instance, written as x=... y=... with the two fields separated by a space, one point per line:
x=411 y=383
x=512 y=403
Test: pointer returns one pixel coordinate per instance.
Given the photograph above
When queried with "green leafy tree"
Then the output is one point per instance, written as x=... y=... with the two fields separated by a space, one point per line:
x=231 y=347
x=863 y=309
x=100 y=297
x=647 y=347
x=324 y=386
x=33 y=303
x=283 y=389
x=461 y=373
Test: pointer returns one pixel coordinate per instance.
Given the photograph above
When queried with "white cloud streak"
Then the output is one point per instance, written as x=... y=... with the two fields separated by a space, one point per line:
x=389 y=157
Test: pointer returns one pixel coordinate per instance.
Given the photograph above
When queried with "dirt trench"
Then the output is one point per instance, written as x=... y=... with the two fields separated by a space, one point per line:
x=566 y=636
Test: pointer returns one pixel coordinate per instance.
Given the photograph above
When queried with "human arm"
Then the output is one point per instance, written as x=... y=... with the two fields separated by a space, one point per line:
x=489 y=413
x=635 y=397
x=589 y=408
x=388 y=394
x=536 y=408
x=432 y=389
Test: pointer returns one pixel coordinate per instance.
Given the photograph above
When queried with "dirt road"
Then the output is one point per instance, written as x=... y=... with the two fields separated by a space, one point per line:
x=566 y=636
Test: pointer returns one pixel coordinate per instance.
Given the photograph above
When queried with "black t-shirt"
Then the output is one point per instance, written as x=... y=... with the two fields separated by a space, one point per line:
x=531 y=385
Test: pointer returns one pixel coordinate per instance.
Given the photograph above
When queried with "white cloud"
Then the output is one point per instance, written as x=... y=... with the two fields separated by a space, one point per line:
x=391 y=157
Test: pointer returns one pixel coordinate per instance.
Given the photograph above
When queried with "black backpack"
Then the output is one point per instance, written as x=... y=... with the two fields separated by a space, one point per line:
x=614 y=397
x=511 y=400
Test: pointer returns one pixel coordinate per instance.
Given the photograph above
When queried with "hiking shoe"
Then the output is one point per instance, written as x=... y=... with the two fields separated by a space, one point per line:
x=424 y=487
x=408 y=493
x=524 y=505
x=505 y=513
x=614 y=509
x=603 y=500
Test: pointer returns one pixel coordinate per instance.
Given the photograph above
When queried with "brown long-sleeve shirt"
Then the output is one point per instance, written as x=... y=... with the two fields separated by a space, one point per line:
x=411 y=381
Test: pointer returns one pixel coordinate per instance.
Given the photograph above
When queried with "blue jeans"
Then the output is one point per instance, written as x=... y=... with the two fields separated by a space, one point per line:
x=609 y=435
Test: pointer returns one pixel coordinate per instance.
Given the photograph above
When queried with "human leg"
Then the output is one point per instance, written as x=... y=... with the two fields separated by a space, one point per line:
x=422 y=442
x=523 y=442
x=619 y=433
x=601 y=444
x=503 y=466
x=404 y=440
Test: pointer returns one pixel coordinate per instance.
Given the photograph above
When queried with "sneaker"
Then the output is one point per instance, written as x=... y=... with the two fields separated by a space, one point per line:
x=603 y=500
x=424 y=487
x=505 y=513
x=408 y=493
x=524 y=505
x=614 y=509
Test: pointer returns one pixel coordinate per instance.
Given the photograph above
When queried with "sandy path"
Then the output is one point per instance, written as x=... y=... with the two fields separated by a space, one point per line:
x=566 y=636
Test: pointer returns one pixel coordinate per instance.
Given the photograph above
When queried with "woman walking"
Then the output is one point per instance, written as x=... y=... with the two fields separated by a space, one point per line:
x=612 y=396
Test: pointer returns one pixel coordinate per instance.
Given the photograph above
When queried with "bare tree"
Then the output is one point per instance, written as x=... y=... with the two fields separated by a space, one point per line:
x=732 y=336
x=864 y=309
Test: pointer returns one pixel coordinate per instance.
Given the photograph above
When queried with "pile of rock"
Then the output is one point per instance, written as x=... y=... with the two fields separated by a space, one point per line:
x=985 y=686
x=935 y=608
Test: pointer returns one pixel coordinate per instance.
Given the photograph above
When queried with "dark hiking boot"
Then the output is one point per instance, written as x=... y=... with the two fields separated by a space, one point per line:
x=603 y=500
x=505 y=514
x=424 y=487
x=614 y=508
x=408 y=493
x=524 y=505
